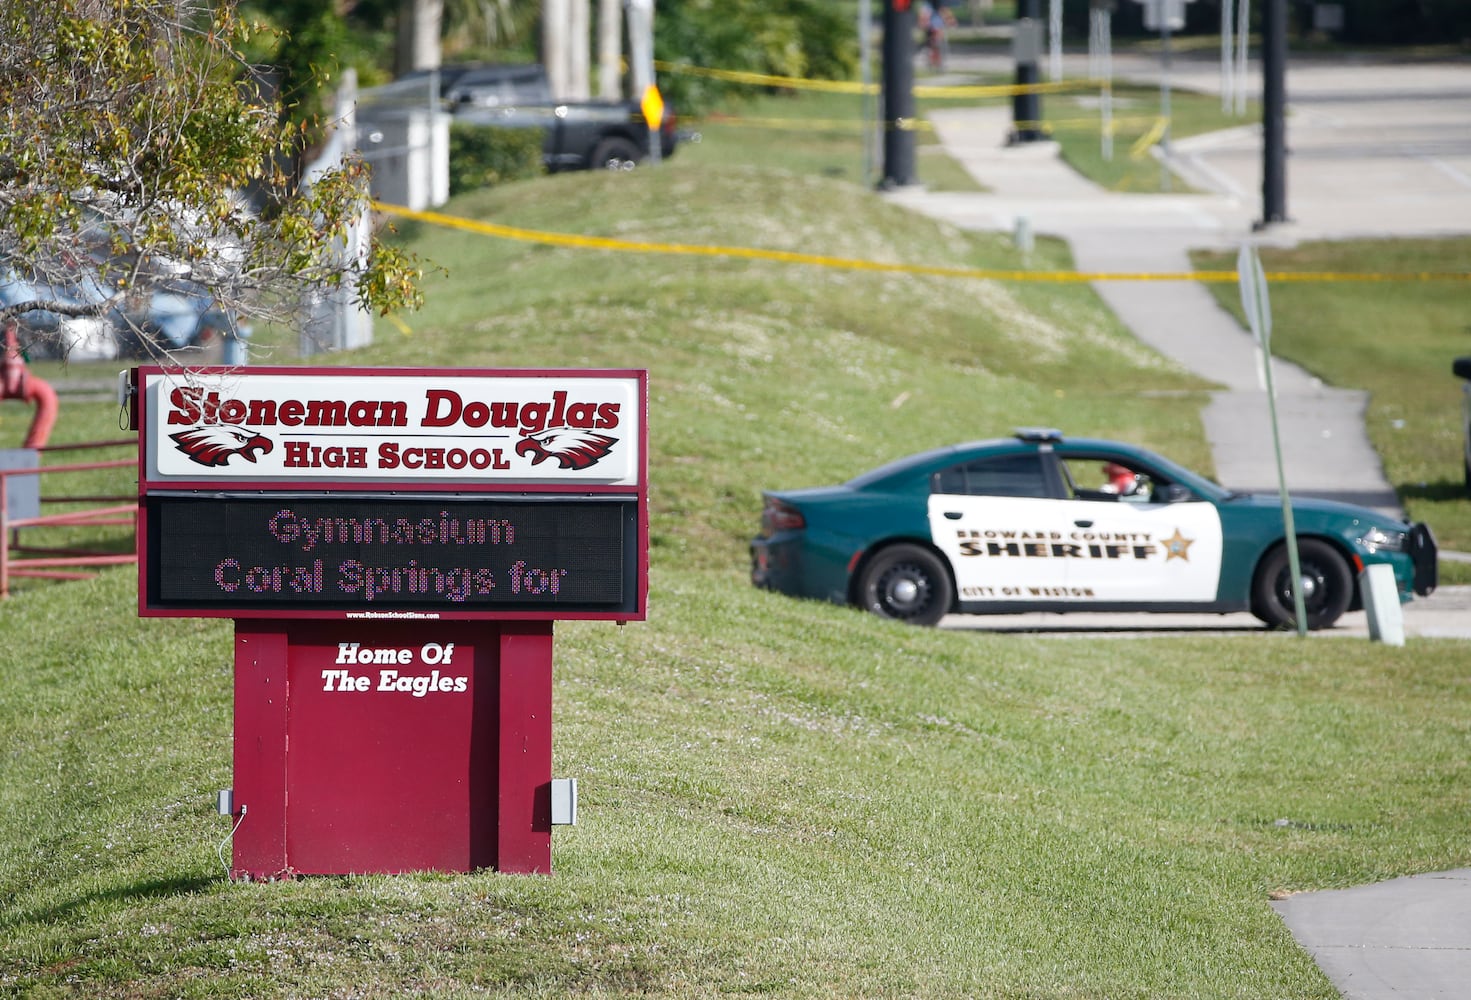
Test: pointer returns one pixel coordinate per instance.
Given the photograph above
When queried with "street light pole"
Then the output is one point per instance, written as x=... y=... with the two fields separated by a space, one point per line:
x=1026 y=106
x=1274 y=112
x=898 y=87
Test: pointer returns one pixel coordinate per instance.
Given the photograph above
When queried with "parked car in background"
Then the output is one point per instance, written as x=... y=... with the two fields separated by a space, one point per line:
x=578 y=135
x=178 y=316
x=45 y=333
x=1042 y=522
x=170 y=317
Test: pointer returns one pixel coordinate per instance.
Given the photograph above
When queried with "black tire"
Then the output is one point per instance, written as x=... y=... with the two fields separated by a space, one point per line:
x=1327 y=592
x=907 y=583
x=615 y=153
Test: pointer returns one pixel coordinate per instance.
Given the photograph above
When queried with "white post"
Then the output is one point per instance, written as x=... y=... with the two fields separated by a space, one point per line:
x=1054 y=32
x=610 y=50
x=1381 y=601
x=1243 y=39
x=579 y=39
x=554 y=14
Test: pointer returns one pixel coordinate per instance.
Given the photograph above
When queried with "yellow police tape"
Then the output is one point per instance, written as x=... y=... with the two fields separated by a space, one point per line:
x=851 y=87
x=1114 y=124
x=1145 y=142
x=852 y=264
x=815 y=124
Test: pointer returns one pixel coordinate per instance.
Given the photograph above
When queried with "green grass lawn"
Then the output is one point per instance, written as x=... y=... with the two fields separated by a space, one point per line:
x=777 y=797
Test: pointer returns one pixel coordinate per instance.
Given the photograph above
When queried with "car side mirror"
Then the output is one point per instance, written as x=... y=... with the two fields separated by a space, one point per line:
x=1175 y=493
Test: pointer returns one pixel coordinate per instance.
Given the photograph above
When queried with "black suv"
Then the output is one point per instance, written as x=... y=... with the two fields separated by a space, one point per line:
x=579 y=135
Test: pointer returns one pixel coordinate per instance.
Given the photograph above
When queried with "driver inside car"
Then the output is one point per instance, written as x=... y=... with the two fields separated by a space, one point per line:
x=1119 y=480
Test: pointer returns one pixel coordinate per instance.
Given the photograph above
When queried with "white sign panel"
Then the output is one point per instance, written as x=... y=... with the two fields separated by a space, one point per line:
x=476 y=429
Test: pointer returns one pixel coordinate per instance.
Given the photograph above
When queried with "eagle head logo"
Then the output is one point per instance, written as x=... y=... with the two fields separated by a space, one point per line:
x=213 y=445
x=571 y=447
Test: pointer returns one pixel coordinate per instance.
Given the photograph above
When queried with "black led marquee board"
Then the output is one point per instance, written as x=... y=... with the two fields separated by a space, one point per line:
x=427 y=556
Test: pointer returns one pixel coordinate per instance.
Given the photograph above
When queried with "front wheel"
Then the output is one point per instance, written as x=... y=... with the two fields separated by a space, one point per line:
x=1327 y=586
x=908 y=583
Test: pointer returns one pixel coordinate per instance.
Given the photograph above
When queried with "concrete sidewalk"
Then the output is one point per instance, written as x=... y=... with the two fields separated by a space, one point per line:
x=1375 y=151
x=1408 y=937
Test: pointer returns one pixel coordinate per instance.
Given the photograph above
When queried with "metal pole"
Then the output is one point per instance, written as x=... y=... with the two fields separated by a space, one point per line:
x=898 y=89
x=1228 y=29
x=1026 y=107
x=1255 y=301
x=865 y=62
x=1274 y=112
x=1164 y=91
x=641 y=67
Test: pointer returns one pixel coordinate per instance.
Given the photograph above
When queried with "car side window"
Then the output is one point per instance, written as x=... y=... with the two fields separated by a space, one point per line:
x=1004 y=476
x=1109 y=480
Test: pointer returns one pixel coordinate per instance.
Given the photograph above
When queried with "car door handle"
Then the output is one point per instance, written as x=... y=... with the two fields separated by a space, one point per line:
x=953 y=515
x=1083 y=524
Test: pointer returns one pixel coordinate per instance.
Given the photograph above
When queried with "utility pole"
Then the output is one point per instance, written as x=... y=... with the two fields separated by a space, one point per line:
x=898 y=87
x=1274 y=112
x=1026 y=47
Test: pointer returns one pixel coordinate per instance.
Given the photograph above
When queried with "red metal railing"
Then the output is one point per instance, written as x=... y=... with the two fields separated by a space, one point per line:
x=66 y=563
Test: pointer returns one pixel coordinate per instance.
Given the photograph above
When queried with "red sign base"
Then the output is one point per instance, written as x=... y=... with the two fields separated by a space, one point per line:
x=392 y=746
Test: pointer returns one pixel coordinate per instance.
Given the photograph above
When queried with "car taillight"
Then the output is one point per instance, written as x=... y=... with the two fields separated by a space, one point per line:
x=778 y=515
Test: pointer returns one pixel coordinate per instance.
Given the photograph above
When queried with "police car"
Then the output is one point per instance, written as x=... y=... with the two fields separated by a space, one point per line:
x=1042 y=522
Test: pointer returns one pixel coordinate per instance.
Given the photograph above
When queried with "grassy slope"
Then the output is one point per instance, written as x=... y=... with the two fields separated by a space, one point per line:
x=778 y=796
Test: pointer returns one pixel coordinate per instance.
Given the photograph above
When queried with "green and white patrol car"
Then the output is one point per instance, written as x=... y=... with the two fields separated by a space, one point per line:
x=1043 y=522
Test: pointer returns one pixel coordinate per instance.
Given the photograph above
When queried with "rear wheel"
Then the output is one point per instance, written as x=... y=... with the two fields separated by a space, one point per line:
x=1327 y=586
x=615 y=154
x=906 y=582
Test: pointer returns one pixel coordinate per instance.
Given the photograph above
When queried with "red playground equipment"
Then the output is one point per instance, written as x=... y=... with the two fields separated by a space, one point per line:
x=16 y=382
x=20 y=497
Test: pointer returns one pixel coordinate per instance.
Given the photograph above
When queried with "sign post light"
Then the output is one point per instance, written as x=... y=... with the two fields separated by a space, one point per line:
x=394 y=546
